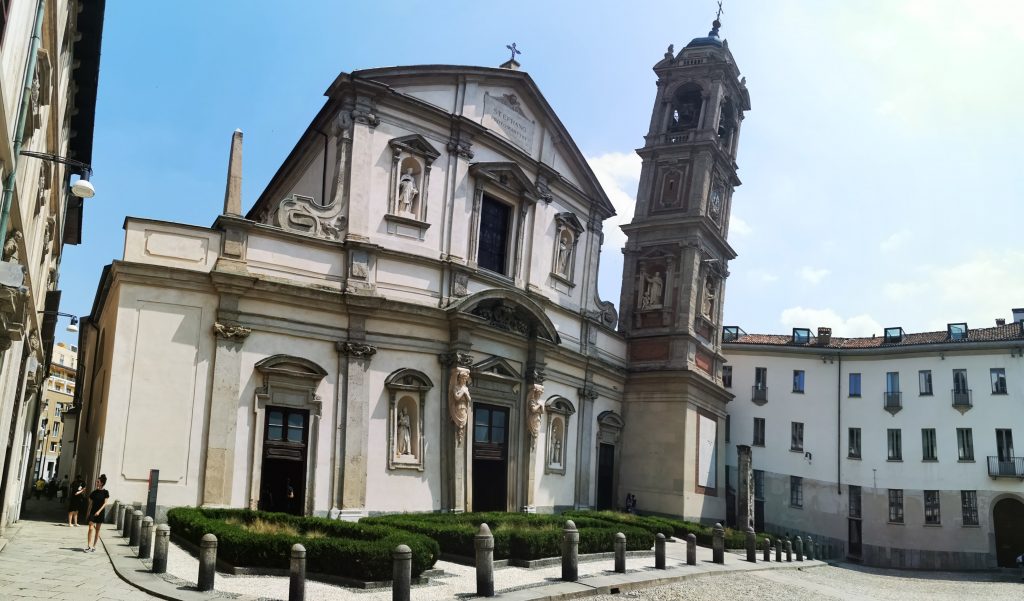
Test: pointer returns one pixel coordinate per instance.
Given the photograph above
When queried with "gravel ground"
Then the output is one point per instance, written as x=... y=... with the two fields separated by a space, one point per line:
x=850 y=583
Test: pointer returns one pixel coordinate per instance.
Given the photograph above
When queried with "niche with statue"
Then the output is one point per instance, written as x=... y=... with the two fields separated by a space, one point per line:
x=411 y=159
x=407 y=392
x=558 y=410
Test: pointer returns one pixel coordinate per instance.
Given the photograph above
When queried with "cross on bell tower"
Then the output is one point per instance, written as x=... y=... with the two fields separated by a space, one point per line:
x=674 y=273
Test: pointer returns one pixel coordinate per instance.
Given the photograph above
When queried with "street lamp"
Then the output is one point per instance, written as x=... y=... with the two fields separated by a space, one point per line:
x=81 y=188
x=72 y=327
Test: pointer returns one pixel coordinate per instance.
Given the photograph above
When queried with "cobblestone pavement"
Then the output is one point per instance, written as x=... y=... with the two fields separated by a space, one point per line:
x=45 y=559
x=842 y=583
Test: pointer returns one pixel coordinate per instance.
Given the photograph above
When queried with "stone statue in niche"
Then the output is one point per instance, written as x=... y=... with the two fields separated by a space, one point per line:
x=564 y=252
x=709 y=297
x=11 y=247
x=404 y=433
x=458 y=401
x=556 y=443
x=535 y=408
x=407 y=193
x=652 y=287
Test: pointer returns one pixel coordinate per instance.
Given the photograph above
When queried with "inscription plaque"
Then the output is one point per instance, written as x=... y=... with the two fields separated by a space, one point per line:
x=505 y=113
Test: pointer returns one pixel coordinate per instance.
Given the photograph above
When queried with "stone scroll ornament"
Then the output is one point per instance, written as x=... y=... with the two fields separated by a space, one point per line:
x=301 y=214
x=536 y=409
x=458 y=401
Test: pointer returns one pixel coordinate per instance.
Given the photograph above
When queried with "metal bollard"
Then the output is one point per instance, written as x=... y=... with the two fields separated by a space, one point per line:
x=401 y=579
x=570 y=552
x=789 y=550
x=778 y=549
x=207 y=562
x=620 y=553
x=691 y=549
x=483 y=543
x=297 y=574
x=136 y=529
x=145 y=537
x=767 y=549
x=112 y=514
x=751 y=545
x=718 y=544
x=659 y=551
x=160 y=547
x=799 y=548
x=810 y=548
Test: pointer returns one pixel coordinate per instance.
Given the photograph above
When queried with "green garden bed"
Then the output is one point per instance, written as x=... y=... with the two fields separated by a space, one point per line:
x=333 y=547
x=734 y=539
x=516 y=535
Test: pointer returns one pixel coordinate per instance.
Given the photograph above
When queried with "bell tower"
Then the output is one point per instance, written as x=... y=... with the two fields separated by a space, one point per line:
x=674 y=273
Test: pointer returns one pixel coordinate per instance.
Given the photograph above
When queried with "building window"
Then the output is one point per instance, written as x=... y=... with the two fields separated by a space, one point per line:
x=924 y=380
x=893 y=335
x=892 y=390
x=931 y=507
x=801 y=335
x=56 y=429
x=796 y=440
x=854 y=443
x=759 y=485
x=854 y=384
x=998 y=375
x=728 y=426
x=896 y=505
x=965 y=444
x=957 y=331
x=895 y=439
x=495 y=222
x=854 y=501
x=796 y=491
x=761 y=378
x=727 y=376
x=928 y=450
x=53 y=447
x=969 y=507
x=798 y=380
x=758 y=432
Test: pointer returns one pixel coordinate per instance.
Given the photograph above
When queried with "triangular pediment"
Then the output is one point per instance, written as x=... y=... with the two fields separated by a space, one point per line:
x=416 y=144
x=506 y=174
x=496 y=367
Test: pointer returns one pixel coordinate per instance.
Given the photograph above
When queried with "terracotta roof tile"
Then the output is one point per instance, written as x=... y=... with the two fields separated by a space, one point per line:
x=1008 y=332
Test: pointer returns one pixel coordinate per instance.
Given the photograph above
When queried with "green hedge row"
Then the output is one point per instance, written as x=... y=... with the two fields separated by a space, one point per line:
x=734 y=539
x=516 y=535
x=334 y=547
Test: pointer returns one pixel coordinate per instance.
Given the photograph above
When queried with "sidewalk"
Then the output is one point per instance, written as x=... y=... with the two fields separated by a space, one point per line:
x=44 y=559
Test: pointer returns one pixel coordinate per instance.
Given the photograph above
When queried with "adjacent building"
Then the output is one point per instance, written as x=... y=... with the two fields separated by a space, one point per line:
x=897 y=449
x=49 y=66
x=57 y=402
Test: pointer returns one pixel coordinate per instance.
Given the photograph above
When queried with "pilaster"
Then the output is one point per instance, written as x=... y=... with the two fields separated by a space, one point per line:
x=356 y=405
x=223 y=413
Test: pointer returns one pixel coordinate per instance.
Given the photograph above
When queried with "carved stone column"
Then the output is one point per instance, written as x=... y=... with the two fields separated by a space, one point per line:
x=455 y=441
x=223 y=420
x=584 y=445
x=356 y=425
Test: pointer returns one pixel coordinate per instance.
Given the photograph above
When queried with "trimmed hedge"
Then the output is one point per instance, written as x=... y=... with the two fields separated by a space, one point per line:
x=734 y=539
x=339 y=548
x=516 y=535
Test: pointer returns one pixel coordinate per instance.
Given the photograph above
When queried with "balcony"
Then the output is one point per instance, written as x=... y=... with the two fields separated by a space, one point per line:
x=893 y=402
x=759 y=394
x=962 y=399
x=1006 y=467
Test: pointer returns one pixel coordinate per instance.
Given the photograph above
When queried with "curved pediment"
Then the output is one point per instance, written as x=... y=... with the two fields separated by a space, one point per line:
x=408 y=379
x=511 y=311
x=559 y=404
x=610 y=419
x=293 y=367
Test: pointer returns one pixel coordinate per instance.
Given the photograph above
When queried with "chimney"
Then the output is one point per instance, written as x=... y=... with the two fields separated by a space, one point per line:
x=1000 y=321
x=233 y=191
x=824 y=336
x=1018 y=315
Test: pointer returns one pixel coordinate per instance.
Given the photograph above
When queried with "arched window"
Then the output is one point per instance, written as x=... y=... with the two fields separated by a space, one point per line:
x=686 y=105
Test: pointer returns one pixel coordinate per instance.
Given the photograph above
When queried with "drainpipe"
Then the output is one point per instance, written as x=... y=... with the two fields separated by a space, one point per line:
x=19 y=132
x=839 y=424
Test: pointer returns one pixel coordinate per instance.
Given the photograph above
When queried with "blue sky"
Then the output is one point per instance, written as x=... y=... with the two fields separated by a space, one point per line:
x=880 y=163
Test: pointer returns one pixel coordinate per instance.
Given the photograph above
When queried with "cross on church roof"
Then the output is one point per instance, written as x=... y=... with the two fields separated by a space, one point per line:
x=718 y=16
x=516 y=51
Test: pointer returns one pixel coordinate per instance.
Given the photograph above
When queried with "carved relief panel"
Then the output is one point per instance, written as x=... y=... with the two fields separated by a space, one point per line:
x=669 y=191
x=407 y=401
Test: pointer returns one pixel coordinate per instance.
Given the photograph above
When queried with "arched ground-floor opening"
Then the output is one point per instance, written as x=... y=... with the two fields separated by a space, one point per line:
x=1008 y=525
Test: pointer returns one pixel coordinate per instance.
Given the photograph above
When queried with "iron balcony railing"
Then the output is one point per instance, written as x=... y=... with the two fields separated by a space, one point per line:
x=962 y=397
x=1008 y=467
x=893 y=400
x=759 y=394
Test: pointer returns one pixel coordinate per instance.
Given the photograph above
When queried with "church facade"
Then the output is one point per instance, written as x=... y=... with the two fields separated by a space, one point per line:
x=407 y=318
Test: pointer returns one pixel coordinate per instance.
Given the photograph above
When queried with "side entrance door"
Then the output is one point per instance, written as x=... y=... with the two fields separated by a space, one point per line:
x=490 y=458
x=283 y=475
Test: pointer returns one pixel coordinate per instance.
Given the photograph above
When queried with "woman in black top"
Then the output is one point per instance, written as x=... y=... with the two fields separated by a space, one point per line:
x=97 y=503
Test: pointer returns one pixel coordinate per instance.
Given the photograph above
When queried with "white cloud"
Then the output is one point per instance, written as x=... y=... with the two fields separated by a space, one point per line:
x=856 y=326
x=739 y=227
x=812 y=275
x=895 y=241
x=618 y=173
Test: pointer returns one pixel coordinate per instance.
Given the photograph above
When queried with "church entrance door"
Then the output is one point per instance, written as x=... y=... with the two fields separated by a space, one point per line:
x=283 y=476
x=606 y=476
x=490 y=458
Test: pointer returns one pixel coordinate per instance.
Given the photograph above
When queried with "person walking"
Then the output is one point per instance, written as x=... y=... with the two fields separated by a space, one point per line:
x=97 y=503
x=38 y=488
x=77 y=501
